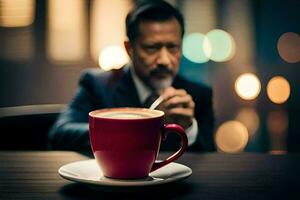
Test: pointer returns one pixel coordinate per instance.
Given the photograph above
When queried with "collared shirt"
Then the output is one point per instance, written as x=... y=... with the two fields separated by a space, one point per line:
x=144 y=92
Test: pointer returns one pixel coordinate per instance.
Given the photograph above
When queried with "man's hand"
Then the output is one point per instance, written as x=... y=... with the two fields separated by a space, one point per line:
x=178 y=106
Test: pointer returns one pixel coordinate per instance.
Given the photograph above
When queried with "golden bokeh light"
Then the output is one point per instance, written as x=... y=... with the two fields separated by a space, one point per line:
x=107 y=24
x=113 y=57
x=247 y=86
x=289 y=47
x=231 y=137
x=278 y=90
x=16 y=13
x=67 y=31
x=249 y=117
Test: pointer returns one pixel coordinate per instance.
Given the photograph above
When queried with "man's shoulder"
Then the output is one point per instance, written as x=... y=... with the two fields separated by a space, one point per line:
x=98 y=76
x=96 y=73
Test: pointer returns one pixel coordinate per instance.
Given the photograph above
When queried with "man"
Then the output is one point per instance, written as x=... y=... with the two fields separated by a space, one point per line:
x=155 y=30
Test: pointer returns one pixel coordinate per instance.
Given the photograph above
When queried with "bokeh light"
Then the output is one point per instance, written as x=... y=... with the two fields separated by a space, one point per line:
x=249 y=117
x=106 y=24
x=16 y=13
x=247 y=86
x=289 y=47
x=66 y=31
x=222 y=45
x=231 y=137
x=193 y=48
x=278 y=90
x=113 y=57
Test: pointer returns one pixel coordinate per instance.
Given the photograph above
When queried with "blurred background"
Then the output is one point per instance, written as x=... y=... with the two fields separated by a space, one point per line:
x=248 y=51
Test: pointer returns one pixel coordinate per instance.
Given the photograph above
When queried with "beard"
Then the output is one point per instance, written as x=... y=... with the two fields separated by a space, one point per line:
x=161 y=77
x=159 y=84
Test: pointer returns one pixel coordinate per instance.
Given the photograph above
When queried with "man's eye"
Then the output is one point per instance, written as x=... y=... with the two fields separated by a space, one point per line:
x=173 y=48
x=151 y=48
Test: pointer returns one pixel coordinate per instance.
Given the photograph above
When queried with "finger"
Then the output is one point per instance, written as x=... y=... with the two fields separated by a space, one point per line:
x=171 y=92
x=181 y=112
x=180 y=101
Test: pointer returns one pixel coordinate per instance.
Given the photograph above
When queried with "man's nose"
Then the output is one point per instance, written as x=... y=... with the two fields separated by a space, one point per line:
x=164 y=57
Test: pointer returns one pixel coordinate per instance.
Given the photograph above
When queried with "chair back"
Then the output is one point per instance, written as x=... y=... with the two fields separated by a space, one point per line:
x=26 y=127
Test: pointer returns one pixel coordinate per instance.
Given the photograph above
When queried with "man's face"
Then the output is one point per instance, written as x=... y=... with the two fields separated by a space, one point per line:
x=156 y=53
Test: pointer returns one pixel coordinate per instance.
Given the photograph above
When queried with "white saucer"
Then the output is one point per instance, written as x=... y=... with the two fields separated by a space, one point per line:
x=88 y=172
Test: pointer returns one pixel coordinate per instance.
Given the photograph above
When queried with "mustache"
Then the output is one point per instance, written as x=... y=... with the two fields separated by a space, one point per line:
x=161 y=69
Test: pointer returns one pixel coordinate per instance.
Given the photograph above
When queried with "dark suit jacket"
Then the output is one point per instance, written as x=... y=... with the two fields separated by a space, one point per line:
x=116 y=89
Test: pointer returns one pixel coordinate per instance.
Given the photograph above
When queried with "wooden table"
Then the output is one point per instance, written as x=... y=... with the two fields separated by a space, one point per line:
x=33 y=175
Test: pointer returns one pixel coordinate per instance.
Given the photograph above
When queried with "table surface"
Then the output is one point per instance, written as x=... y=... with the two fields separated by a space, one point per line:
x=33 y=175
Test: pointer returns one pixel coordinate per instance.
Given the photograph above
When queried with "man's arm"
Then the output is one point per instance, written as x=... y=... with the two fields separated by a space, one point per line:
x=71 y=130
x=68 y=133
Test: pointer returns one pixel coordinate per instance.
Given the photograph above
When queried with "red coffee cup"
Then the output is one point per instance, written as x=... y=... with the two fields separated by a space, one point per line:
x=126 y=141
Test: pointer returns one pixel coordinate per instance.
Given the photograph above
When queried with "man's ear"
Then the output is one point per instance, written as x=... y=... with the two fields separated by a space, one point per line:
x=128 y=48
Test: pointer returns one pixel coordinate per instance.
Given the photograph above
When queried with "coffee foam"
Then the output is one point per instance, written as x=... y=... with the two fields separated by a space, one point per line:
x=127 y=114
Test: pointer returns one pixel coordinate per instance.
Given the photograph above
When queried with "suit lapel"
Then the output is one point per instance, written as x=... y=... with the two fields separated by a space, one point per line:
x=125 y=94
x=178 y=83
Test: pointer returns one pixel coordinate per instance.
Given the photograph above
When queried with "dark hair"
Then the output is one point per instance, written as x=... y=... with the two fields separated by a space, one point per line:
x=153 y=11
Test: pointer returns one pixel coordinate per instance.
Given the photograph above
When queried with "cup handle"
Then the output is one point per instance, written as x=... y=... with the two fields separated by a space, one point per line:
x=173 y=128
